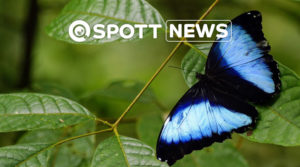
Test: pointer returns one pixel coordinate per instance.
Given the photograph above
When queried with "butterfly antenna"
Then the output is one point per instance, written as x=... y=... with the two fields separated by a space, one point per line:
x=183 y=69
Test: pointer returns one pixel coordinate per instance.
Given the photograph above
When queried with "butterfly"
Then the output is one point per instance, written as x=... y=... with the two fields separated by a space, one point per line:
x=236 y=72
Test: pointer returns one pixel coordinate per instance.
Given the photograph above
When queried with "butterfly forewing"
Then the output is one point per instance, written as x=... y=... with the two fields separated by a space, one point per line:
x=243 y=65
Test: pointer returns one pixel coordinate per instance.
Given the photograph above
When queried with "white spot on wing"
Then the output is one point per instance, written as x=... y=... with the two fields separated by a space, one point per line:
x=263 y=43
x=168 y=119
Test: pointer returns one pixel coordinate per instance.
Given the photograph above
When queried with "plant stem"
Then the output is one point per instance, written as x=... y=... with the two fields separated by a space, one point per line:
x=161 y=67
x=121 y=145
x=80 y=136
x=104 y=122
x=124 y=120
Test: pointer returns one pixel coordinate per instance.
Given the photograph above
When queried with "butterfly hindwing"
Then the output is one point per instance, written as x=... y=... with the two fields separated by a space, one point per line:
x=243 y=65
x=202 y=116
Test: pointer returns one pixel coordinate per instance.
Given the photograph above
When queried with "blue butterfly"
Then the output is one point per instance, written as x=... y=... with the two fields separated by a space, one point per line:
x=237 y=72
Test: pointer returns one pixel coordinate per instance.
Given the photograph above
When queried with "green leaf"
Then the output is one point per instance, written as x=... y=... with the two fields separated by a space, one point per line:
x=148 y=127
x=104 y=12
x=42 y=136
x=23 y=155
x=220 y=154
x=123 y=90
x=280 y=121
x=53 y=89
x=109 y=154
x=76 y=153
x=30 y=111
x=193 y=61
x=111 y=100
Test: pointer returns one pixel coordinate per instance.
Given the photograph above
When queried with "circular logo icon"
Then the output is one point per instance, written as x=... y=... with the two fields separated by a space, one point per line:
x=79 y=30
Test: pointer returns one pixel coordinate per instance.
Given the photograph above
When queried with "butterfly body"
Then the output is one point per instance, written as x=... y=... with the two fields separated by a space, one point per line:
x=236 y=72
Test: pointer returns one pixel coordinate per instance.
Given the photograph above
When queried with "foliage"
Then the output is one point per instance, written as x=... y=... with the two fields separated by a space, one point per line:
x=28 y=111
x=124 y=151
x=59 y=128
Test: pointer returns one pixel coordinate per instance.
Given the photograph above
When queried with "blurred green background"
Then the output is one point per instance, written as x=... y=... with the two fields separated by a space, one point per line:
x=77 y=71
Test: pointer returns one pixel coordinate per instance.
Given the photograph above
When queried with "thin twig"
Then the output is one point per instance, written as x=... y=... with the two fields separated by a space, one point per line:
x=104 y=122
x=121 y=146
x=124 y=120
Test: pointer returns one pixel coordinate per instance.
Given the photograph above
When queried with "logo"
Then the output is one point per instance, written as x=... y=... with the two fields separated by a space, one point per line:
x=79 y=30
x=205 y=31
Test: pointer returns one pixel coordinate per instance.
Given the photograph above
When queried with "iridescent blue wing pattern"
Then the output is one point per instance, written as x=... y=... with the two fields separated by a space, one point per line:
x=236 y=72
x=243 y=65
x=202 y=116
